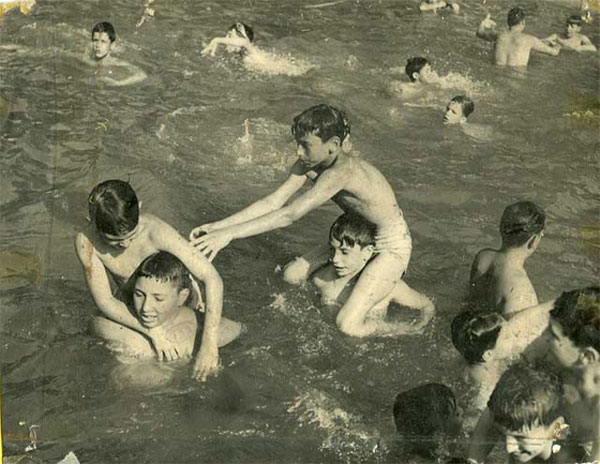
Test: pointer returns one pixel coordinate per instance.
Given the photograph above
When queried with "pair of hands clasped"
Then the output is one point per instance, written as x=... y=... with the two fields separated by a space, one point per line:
x=209 y=239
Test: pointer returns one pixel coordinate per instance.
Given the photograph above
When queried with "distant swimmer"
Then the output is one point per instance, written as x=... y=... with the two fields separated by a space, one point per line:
x=435 y=5
x=572 y=38
x=420 y=73
x=240 y=39
x=458 y=110
x=513 y=47
x=103 y=38
x=24 y=5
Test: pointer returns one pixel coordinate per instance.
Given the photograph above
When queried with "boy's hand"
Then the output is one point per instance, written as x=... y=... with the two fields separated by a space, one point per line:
x=206 y=363
x=165 y=349
x=213 y=242
x=211 y=48
x=487 y=23
x=199 y=231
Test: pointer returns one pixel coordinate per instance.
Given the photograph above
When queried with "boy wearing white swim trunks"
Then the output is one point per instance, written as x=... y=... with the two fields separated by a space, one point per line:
x=322 y=133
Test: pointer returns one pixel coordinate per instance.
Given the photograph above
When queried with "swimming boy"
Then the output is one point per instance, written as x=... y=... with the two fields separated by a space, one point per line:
x=573 y=39
x=119 y=239
x=427 y=418
x=103 y=38
x=498 y=279
x=435 y=5
x=355 y=185
x=352 y=241
x=513 y=47
x=419 y=72
x=239 y=37
x=458 y=110
x=161 y=289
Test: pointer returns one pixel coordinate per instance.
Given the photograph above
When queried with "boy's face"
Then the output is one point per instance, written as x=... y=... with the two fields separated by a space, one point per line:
x=563 y=349
x=156 y=302
x=427 y=75
x=349 y=260
x=572 y=29
x=454 y=113
x=101 y=45
x=530 y=442
x=312 y=151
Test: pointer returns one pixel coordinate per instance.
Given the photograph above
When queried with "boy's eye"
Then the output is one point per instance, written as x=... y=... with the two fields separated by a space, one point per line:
x=158 y=298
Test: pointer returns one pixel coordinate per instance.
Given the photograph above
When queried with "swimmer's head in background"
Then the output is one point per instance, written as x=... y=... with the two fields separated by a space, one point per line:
x=242 y=30
x=427 y=415
x=574 y=24
x=419 y=69
x=324 y=121
x=103 y=36
x=114 y=209
x=458 y=110
x=520 y=222
x=515 y=16
x=474 y=334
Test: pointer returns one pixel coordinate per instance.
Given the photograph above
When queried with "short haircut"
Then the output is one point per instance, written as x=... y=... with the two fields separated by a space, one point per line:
x=515 y=16
x=164 y=267
x=473 y=333
x=414 y=65
x=525 y=396
x=575 y=19
x=113 y=207
x=351 y=229
x=243 y=29
x=467 y=104
x=521 y=221
x=105 y=27
x=578 y=313
x=324 y=121
x=425 y=412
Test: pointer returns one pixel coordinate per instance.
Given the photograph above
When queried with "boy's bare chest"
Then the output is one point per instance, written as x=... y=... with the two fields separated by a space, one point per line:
x=124 y=264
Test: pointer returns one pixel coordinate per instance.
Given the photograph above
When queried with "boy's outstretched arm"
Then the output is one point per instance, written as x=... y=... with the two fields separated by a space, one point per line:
x=586 y=45
x=211 y=48
x=328 y=184
x=111 y=307
x=271 y=202
x=487 y=29
x=168 y=239
x=540 y=46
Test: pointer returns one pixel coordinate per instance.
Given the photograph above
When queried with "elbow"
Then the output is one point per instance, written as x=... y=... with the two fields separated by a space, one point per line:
x=288 y=217
x=347 y=326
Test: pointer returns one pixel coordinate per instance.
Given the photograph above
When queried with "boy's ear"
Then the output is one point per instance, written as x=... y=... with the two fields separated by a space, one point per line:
x=560 y=428
x=335 y=142
x=487 y=355
x=463 y=119
x=368 y=251
x=415 y=76
x=140 y=205
x=184 y=294
x=532 y=242
x=589 y=356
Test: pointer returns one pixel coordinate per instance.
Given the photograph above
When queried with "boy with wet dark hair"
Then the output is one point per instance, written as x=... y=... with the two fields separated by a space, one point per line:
x=572 y=38
x=103 y=37
x=239 y=37
x=118 y=240
x=352 y=241
x=418 y=69
x=435 y=5
x=458 y=110
x=513 y=47
x=321 y=133
x=427 y=417
x=498 y=279
x=161 y=289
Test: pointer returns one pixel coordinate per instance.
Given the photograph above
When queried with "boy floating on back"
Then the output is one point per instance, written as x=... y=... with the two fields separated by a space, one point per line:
x=355 y=185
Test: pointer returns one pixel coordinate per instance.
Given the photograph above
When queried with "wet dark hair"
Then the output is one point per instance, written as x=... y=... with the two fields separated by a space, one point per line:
x=515 y=16
x=521 y=221
x=423 y=413
x=414 y=65
x=324 y=121
x=105 y=27
x=473 y=333
x=247 y=30
x=113 y=207
x=578 y=313
x=467 y=104
x=575 y=19
x=164 y=267
x=350 y=229
x=526 y=396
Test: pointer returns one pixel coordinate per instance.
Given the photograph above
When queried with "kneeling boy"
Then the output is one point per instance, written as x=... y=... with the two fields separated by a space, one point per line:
x=161 y=290
x=352 y=241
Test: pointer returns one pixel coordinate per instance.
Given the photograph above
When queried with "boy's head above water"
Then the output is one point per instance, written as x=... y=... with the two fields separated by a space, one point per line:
x=527 y=407
x=458 y=110
x=352 y=241
x=241 y=30
x=575 y=327
x=418 y=69
x=161 y=288
x=103 y=36
x=573 y=25
x=427 y=415
x=515 y=17
x=474 y=335
x=522 y=224
x=114 y=210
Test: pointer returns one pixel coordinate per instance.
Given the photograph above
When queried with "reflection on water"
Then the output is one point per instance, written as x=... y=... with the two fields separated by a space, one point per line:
x=200 y=138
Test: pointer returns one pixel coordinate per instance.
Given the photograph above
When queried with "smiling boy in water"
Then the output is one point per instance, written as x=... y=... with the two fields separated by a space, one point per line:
x=103 y=38
x=420 y=73
x=357 y=187
x=458 y=110
x=119 y=239
x=352 y=241
x=572 y=38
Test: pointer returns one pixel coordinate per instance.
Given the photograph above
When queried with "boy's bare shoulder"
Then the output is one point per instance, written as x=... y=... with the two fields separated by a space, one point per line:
x=84 y=246
x=484 y=259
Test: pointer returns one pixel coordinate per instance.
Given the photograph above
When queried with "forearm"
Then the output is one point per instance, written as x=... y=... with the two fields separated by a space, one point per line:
x=117 y=311
x=255 y=210
x=486 y=34
x=265 y=223
x=212 y=318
